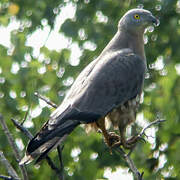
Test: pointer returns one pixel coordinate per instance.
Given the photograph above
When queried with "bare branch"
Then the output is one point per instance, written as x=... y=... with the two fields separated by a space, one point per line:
x=54 y=168
x=45 y=99
x=139 y=136
x=8 y=166
x=22 y=129
x=14 y=147
x=149 y=125
x=59 y=149
x=10 y=138
x=25 y=117
x=130 y=163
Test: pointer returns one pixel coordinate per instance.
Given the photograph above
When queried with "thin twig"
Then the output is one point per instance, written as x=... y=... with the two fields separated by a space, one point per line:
x=139 y=136
x=149 y=125
x=8 y=166
x=26 y=115
x=53 y=167
x=22 y=129
x=6 y=177
x=60 y=156
x=10 y=138
x=59 y=149
x=30 y=136
x=45 y=99
x=14 y=147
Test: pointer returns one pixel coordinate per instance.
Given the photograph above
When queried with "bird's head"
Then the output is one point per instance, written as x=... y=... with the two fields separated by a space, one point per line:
x=136 y=20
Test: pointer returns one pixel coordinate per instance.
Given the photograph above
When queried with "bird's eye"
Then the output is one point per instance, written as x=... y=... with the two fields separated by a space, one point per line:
x=136 y=16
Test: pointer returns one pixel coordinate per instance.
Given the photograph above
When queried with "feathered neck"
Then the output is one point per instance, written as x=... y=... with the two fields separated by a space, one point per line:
x=124 y=39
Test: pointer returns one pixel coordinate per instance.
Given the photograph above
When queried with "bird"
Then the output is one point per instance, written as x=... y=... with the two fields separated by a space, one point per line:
x=109 y=87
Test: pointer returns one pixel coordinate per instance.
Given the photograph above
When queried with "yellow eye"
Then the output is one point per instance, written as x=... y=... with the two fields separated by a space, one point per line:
x=136 y=16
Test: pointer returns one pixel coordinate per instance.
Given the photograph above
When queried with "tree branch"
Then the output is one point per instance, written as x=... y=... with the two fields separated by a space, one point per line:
x=8 y=166
x=22 y=129
x=10 y=138
x=130 y=163
x=45 y=99
x=14 y=147
x=149 y=125
x=54 y=168
x=25 y=117
x=59 y=149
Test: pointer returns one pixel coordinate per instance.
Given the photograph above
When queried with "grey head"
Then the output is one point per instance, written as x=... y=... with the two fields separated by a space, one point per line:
x=136 y=20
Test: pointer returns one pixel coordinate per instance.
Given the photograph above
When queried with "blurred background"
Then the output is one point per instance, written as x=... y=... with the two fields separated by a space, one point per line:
x=44 y=45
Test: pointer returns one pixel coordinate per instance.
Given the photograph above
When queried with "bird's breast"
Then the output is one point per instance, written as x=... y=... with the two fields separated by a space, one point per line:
x=124 y=114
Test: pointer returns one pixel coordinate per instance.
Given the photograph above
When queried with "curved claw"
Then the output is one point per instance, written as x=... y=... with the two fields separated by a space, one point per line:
x=130 y=143
x=142 y=139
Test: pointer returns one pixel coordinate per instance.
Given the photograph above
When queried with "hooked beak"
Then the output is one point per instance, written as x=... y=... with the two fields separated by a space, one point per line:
x=153 y=20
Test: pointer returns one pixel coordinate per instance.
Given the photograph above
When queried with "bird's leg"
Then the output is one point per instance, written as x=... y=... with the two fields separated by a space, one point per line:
x=111 y=138
x=127 y=116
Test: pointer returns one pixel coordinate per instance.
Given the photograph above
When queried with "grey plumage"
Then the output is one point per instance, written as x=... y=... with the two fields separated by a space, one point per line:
x=110 y=81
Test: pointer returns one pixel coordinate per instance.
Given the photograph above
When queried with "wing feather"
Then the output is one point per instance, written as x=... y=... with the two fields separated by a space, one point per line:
x=103 y=85
x=115 y=79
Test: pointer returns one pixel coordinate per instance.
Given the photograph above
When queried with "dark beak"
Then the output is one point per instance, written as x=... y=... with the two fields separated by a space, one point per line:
x=154 y=20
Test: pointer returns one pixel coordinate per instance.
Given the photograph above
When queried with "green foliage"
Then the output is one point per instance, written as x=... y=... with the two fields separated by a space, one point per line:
x=22 y=73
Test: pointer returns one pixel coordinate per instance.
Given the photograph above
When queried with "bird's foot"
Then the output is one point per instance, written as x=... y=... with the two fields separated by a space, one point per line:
x=112 y=140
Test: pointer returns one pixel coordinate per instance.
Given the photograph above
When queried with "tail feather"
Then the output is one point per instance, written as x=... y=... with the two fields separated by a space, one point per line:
x=50 y=148
x=44 y=154
x=47 y=135
x=26 y=159
x=46 y=140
